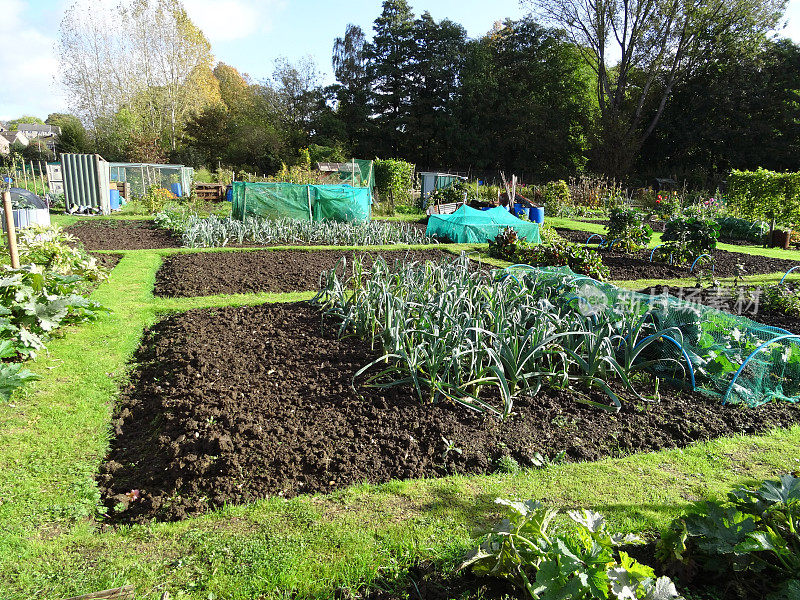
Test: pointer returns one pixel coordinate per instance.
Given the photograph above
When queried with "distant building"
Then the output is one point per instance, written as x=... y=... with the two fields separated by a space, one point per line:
x=3 y=127
x=5 y=145
x=14 y=137
x=47 y=133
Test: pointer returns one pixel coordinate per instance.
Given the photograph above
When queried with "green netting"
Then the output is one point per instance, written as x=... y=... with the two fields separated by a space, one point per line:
x=471 y=226
x=720 y=354
x=355 y=172
x=304 y=202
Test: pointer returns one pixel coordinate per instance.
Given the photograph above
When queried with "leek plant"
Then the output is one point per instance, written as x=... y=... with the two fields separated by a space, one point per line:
x=480 y=339
x=214 y=231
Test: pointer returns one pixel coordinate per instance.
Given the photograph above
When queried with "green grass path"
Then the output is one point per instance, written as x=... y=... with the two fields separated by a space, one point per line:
x=54 y=434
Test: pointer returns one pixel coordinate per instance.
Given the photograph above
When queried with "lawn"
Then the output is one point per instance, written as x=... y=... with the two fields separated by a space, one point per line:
x=55 y=434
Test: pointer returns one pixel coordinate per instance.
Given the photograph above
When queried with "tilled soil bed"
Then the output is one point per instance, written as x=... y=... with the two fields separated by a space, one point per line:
x=208 y=273
x=741 y=304
x=118 y=234
x=107 y=261
x=638 y=266
x=230 y=405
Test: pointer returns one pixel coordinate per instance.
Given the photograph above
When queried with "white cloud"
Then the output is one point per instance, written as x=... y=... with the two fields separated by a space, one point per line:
x=229 y=20
x=28 y=66
x=792 y=29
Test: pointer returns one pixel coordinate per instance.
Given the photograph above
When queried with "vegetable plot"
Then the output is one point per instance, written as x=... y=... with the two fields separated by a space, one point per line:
x=482 y=340
x=214 y=231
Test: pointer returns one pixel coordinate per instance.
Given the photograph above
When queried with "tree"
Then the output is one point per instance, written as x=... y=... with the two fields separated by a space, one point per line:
x=159 y=70
x=12 y=125
x=73 y=137
x=656 y=44
x=438 y=56
x=738 y=112
x=351 y=94
x=390 y=72
x=524 y=104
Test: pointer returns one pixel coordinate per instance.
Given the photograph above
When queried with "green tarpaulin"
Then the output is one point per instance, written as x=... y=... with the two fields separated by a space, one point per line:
x=304 y=202
x=471 y=226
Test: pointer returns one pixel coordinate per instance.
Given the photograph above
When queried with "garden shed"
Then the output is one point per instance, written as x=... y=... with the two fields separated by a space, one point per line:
x=430 y=181
x=472 y=226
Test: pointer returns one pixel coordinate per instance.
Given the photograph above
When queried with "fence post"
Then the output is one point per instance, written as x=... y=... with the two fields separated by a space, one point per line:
x=10 y=231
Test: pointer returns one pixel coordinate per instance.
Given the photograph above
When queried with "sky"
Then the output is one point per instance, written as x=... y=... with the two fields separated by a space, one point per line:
x=248 y=34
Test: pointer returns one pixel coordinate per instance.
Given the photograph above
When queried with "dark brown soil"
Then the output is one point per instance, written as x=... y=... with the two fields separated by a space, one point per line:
x=208 y=273
x=108 y=261
x=733 y=302
x=118 y=234
x=230 y=405
x=638 y=265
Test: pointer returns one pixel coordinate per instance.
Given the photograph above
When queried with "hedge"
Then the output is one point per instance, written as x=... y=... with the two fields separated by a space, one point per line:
x=761 y=194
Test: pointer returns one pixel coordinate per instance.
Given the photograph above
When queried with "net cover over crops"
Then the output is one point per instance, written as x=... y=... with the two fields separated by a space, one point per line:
x=730 y=357
x=304 y=202
x=471 y=226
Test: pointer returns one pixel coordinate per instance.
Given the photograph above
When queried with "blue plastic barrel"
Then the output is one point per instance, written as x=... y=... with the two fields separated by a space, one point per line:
x=229 y=194
x=537 y=214
x=175 y=188
x=114 y=199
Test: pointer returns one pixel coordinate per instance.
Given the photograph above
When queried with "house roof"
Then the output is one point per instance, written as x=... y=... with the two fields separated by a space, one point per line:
x=13 y=136
x=38 y=128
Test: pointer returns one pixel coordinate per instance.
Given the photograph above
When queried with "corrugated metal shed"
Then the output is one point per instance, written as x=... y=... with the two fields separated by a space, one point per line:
x=86 y=181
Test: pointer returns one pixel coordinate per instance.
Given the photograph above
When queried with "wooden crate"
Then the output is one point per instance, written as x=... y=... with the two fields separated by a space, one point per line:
x=211 y=192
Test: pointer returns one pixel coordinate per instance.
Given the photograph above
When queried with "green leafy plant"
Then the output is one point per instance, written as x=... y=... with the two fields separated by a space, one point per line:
x=450 y=194
x=752 y=537
x=34 y=303
x=394 y=180
x=627 y=229
x=55 y=250
x=583 y=563
x=732 y=228
x=557 y=253
x=12 y=375
x=687 y=238
x=556 y=197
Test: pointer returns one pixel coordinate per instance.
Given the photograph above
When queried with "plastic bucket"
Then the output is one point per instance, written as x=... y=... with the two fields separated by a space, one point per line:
x=114 y=199
x=537 y=214
x=229 y=194
x=175 y=188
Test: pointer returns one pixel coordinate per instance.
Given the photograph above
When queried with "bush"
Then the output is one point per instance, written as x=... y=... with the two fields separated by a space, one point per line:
x=763 y=194
x=156 y=198
x=688 y=237
x=732 y=228
x=394 y=180
x=449 y=194
x=556 y=197
x=54 y=250
x=627 y=229
x=557 y=253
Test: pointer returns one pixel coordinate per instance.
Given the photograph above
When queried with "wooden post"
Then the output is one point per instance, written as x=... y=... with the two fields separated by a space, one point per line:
x=41 y=177
x=10 y=231
x=310 y=212
x=24 y=174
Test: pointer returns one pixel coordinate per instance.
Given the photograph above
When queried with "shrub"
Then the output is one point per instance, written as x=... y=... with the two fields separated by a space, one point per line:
x=580 y=564
x=688 y=237
x=557 y=253
x=156 y=198
x=733 y=228
x=556 y=197
x=763 y=194
x=449 y=194
x=394 y=180
x=750 y=541
x=627 y=229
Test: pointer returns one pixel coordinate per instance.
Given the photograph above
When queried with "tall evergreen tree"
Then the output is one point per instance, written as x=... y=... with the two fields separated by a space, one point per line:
x=351 y=93
x=438 y=56
x=390 y=68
